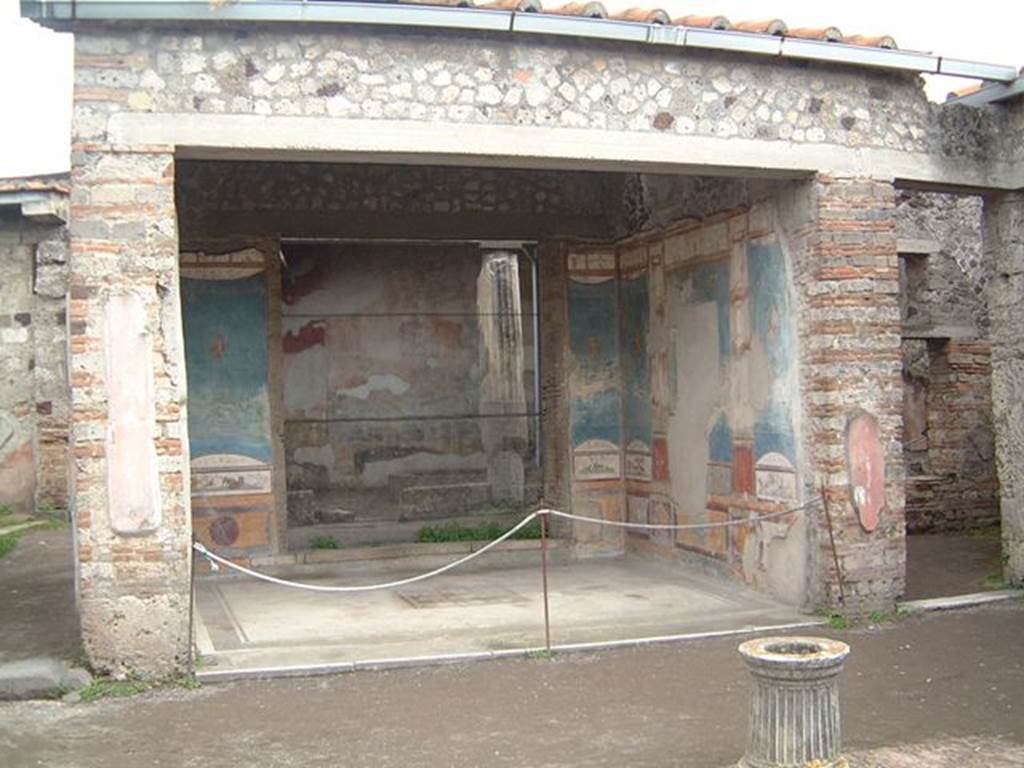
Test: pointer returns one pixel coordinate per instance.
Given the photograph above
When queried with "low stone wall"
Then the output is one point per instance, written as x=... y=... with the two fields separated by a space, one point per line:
x=34 y=399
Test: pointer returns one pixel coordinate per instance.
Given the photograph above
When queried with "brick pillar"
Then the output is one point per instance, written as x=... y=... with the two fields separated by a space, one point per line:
x=1004 y=241
x=129 y=435
x=847 y=280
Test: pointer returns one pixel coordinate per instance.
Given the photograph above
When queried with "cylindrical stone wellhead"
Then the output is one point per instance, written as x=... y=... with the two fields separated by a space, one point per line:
x=794 y=713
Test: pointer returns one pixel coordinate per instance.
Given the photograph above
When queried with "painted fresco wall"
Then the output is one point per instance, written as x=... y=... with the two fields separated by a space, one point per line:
x=730 y=434
x=395 y=407
x=707 y=396
x=224 y=307
x=595 y=392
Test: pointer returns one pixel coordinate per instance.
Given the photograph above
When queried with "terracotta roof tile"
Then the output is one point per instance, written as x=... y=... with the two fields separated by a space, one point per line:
x=592 y=9
x=829 y=34
x=57 y=182
x=521 y=6
x=967 y=90
x=871 y=41
x=643 y=16
x=708 y=22
x=764 y=27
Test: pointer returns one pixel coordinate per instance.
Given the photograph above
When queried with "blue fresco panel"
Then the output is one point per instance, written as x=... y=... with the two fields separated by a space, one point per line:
x=225 y=323
x=636 y=377
x=596 y=407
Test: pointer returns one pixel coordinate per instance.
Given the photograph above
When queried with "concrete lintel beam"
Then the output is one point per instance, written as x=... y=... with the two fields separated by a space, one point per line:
x=940 y=331
x=257 y=137
x=39 y=207
x=917 y=246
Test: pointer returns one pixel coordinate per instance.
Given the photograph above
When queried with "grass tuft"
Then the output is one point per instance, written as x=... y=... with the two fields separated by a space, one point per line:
x=887 y=617
x=324 y=542
x=838 y=622
x=449 y=532
x=108 y=688
x=7 y=544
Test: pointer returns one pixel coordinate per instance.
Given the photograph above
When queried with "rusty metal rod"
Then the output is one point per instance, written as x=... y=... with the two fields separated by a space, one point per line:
x=543 y=515
x=832 y=540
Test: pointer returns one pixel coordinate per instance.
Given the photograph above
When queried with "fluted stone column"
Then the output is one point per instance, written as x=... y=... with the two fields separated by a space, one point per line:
x=794 y=714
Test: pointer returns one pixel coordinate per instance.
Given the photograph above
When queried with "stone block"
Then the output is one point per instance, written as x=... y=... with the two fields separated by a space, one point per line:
x=40 y=678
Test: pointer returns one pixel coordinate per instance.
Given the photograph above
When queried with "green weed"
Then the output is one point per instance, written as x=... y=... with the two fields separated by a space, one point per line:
x=887 y=617
x=9 y=541
x=996 y=580
x=108 y=688
x=449 y=532
x=324 y=542
x=837 y=622
x=51 y=512
x=7 y=544
x=79 y=658
x=540 y=655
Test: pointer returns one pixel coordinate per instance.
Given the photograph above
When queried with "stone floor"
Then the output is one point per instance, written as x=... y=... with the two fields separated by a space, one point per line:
x=244 y=624
x=945 y=564
x=939 y=690
x=37 y=598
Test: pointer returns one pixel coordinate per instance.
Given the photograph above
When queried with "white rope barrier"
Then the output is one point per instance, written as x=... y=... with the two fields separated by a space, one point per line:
x=683 y=527
x=215 y=558
x=366 y=587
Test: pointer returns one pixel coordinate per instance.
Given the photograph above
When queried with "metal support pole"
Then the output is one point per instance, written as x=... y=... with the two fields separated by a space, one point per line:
x=832 y=540
x=543 y=515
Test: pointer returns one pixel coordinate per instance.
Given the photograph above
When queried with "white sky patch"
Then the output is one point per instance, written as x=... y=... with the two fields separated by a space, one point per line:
x=36 y=64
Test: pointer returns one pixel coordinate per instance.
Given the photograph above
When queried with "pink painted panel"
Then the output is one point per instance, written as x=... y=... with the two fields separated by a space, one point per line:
x=866 y=461
x=133 y=490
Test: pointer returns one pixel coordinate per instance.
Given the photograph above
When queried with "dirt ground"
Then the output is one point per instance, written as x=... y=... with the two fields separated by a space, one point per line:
x=37 y=598
x=936 y=690
x=943 y=564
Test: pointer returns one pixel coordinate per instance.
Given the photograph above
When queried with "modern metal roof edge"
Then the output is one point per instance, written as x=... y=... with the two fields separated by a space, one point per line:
x=991 y=93
x=461 y=18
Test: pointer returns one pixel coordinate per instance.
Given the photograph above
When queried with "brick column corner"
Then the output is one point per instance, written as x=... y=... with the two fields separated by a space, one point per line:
x=129 y=437
x=847 y=284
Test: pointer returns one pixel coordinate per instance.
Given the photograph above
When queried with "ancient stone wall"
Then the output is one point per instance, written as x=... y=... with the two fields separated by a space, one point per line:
x=130 y=486
x=1004 y=244
x=949 y=441
x=34 y=400
x=372 y=201
x=524 y=81
x=953 y=281
x=133 y=541
x=842 y=233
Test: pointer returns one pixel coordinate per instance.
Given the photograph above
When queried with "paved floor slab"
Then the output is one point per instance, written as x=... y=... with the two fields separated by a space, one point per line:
x=247 y=624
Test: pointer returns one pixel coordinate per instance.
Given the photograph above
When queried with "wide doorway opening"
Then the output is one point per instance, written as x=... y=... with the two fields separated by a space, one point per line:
x=952 y=492
x=391 y=367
